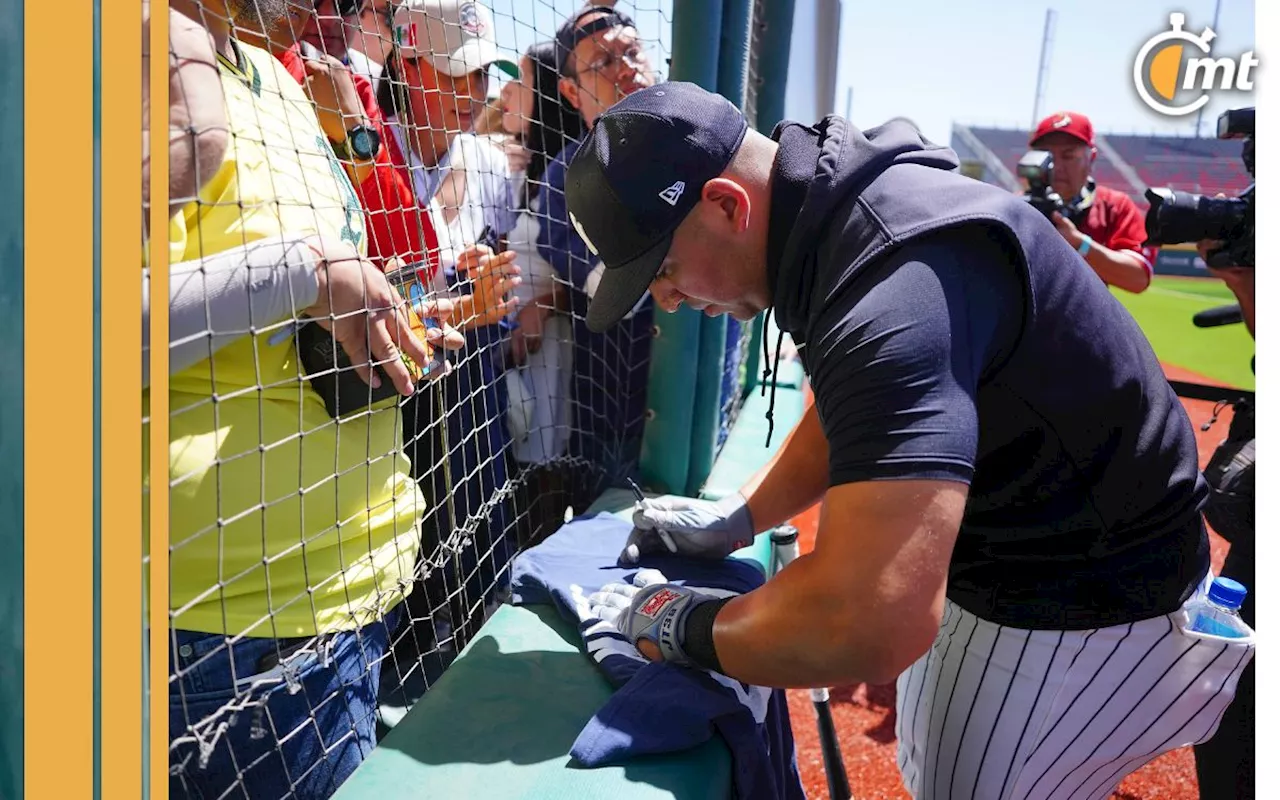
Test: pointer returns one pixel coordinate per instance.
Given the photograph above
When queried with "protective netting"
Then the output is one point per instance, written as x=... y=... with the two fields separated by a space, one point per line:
x=335 y=544
x=738 y=336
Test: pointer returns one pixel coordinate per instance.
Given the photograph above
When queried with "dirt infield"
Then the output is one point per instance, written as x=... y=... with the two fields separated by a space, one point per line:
x=865 y=715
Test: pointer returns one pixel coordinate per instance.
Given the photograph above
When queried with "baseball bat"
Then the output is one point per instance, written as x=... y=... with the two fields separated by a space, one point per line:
x=832 y=757
x=786 y=548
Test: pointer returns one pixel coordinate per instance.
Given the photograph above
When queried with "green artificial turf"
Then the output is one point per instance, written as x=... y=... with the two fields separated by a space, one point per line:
x=1164 y=311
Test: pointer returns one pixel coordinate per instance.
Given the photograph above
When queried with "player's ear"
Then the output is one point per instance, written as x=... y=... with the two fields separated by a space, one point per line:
x=569 y=89
x=1093 y=155
x=730 y=200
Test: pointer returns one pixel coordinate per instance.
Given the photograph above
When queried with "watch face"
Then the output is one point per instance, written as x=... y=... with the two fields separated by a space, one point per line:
x=363 y=143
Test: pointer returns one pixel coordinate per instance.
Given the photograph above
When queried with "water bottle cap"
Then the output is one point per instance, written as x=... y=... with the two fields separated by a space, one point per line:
x=784 y=534
x=1227 y=592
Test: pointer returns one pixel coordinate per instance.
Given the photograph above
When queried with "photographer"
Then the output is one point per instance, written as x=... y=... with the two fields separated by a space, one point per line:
x=1102 y=224
x=1238 y=279
x=1224 y=764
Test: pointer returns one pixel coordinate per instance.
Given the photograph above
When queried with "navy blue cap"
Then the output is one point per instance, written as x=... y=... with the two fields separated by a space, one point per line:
x=638 y=174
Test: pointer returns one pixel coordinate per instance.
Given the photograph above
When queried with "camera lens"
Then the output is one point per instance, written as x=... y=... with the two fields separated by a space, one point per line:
x=1178 y=217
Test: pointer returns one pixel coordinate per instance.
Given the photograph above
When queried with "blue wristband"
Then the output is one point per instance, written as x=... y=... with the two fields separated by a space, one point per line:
x=1085 y=244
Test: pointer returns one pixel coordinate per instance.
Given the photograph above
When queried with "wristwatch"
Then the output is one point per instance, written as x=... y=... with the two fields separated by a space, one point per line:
x=361 y=145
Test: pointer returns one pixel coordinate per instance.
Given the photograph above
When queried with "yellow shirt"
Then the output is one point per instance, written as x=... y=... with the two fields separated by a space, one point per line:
x=283 y=521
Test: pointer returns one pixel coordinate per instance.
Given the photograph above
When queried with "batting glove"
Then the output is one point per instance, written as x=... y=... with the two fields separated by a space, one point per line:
x=688 y=527
x=614 y=598
x=658 y=613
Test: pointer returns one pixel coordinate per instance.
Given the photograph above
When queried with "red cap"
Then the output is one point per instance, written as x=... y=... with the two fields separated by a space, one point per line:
x=1071 y=123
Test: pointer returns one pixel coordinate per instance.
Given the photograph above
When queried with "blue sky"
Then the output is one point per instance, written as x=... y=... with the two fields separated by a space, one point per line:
x=974 y=61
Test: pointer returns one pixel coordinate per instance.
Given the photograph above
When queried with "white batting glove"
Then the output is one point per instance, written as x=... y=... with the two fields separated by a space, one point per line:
x=689 y=527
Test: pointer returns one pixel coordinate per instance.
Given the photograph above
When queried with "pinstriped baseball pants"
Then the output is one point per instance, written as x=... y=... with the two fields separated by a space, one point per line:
x=999 y=713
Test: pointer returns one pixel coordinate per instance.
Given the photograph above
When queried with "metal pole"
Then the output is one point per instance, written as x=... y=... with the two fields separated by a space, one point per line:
x=673 y=364
x=1217 y=10
x=1046 y=46
x=771 y=66
x=714 y=336
x=848 y=103
x=826 y=52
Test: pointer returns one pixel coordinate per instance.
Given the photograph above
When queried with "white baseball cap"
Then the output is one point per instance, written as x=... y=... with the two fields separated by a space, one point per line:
x=457 y=36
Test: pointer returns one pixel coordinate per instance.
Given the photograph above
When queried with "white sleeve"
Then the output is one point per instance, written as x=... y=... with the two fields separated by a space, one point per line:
x=216 y=300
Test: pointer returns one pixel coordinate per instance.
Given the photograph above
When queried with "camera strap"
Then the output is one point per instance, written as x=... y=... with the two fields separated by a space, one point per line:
x=1078 y=206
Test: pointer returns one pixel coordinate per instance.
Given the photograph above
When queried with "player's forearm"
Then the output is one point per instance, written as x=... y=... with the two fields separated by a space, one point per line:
x=794 y=479
x=1119 y=268
x=803 y=629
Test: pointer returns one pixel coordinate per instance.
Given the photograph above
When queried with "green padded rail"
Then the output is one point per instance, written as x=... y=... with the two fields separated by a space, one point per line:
x=502 y=719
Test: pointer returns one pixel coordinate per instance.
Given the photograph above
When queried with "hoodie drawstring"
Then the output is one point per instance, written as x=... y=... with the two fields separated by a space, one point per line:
x=773 y=392
x=768 y=314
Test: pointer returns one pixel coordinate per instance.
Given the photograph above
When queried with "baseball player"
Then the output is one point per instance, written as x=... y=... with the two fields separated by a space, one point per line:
x=1011 y=520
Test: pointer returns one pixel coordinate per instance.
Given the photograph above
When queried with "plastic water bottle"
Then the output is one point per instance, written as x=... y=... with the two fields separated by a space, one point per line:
x=786 y=545
x=1219 y=614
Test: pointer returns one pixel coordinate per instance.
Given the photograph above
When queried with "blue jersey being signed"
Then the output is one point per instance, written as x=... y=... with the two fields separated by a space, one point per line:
x=659 y=708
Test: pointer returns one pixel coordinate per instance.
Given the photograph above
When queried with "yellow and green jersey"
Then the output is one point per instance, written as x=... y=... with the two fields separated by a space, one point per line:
x=283 y=521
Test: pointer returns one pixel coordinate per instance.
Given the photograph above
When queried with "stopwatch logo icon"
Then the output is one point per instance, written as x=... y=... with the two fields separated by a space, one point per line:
x=1162 y=67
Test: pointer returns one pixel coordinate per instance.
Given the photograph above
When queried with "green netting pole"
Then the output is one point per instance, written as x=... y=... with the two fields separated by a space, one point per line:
x=774 y=41
x=731 y=81
x=11 y=409
x=674 y=368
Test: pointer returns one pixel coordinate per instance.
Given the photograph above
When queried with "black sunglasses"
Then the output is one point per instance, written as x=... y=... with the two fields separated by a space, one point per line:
x=353 y=8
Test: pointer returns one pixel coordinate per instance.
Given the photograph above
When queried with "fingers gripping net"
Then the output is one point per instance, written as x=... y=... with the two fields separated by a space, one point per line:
x=333 y=545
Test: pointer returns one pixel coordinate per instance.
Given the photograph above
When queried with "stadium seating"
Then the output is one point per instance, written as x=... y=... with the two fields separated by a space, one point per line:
x=1207 y=166
x=1190 y=164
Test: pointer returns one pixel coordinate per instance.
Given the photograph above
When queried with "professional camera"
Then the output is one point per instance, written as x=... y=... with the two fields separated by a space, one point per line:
x=1177 y=217
x=1036 y=167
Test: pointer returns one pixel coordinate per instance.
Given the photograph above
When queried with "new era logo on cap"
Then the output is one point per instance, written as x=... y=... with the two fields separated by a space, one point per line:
x=638 y=174
x=672 y=193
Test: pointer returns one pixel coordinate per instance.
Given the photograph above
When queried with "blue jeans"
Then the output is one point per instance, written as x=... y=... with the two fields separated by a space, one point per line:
x=272 y=718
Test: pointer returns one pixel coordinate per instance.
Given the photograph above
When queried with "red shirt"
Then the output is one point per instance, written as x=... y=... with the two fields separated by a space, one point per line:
x=1114 y=221
x=396 y=225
